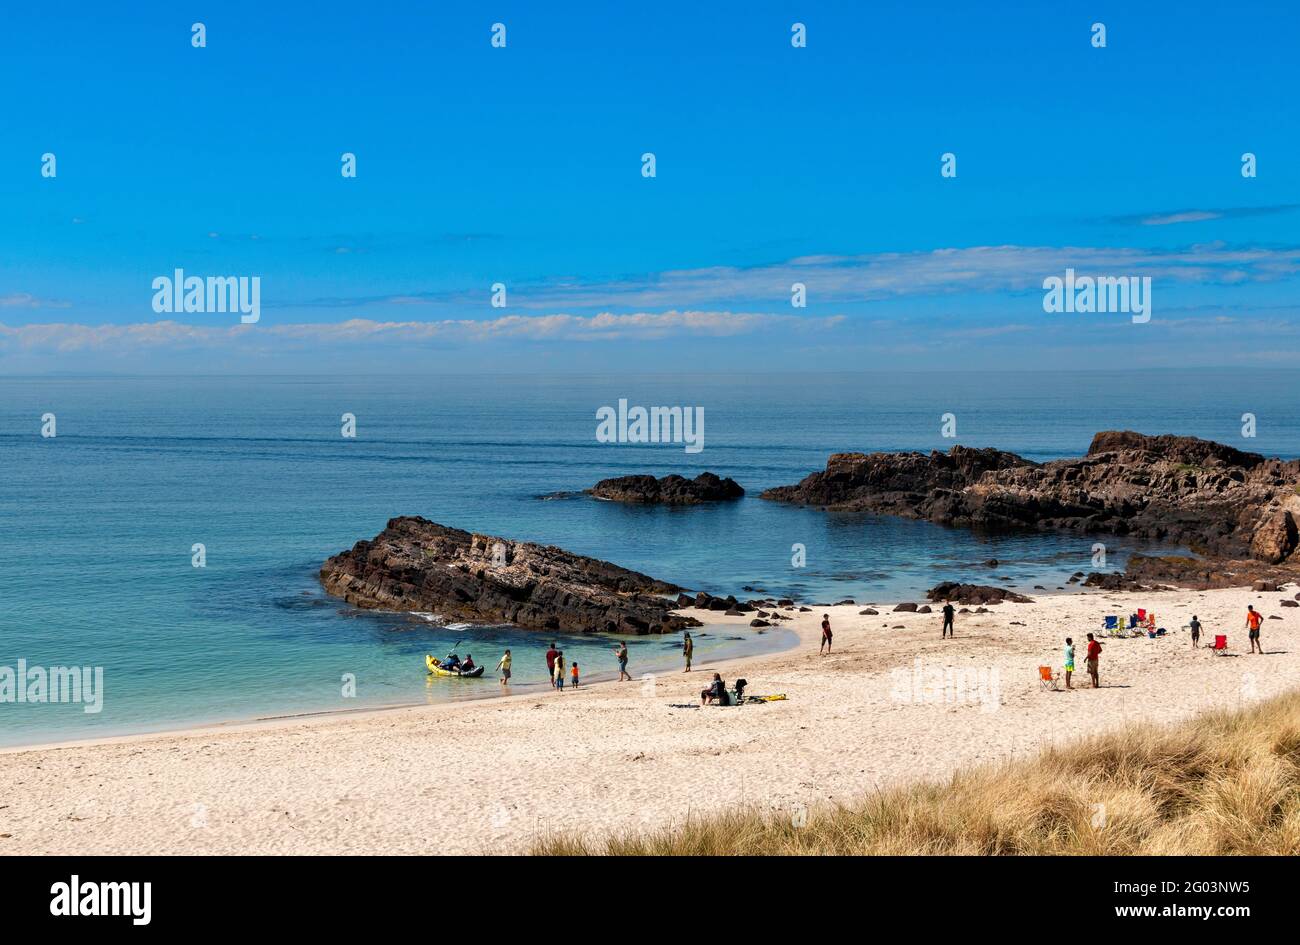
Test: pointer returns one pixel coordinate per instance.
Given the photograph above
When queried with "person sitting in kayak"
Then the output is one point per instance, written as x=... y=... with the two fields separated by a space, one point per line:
x=468 y=665
x=452 y=662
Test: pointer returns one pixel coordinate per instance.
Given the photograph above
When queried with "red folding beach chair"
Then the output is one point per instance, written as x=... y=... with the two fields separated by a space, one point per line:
x=1220 y=645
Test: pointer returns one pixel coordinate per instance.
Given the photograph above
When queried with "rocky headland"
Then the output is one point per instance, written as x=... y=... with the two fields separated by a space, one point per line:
x=1238 y=510
x=670 y=490
x=418 y=565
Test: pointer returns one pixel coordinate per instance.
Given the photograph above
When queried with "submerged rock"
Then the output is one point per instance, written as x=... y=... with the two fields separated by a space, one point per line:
x=416 y=564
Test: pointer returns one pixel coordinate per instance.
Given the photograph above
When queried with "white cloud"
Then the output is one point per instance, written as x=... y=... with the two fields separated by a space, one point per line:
x=879 y=276
x=603 y=327
x=27 y=300
x=1184 y=216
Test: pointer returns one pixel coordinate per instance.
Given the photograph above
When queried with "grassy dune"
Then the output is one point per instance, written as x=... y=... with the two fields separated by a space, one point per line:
x=1224 y=783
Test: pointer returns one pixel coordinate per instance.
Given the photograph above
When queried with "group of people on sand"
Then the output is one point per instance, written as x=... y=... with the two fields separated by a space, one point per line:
x=1093 y=655
x=1254 y=621
x=828 y=636
x=555 y=664
x=558 y=668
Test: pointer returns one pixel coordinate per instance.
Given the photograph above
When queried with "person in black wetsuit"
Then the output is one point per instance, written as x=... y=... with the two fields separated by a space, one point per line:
x=947 y=619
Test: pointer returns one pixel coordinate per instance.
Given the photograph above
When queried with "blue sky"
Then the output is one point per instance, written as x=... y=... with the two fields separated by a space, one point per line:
x=522 y=165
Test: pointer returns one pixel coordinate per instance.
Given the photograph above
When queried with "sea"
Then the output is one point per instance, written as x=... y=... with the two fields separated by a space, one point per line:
x=99 y=522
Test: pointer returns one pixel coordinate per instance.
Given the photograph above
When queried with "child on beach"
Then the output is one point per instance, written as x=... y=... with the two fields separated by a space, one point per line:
x=1196 y=630
x=504 y=666
x=827 y=636
x=559 y=670
x=688 y=649
x=574 y=673
x=1069 y=661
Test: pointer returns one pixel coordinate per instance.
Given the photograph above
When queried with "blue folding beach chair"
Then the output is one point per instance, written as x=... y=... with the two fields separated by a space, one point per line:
x=1112 y=623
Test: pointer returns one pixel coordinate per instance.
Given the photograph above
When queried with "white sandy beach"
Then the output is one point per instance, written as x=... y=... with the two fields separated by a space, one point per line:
x=617 y=757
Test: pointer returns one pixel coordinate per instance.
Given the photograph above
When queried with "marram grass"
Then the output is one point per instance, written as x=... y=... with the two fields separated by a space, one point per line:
x=1227 y=782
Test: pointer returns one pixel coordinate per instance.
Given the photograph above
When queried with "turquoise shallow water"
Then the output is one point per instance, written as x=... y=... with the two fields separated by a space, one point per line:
x=98 y=522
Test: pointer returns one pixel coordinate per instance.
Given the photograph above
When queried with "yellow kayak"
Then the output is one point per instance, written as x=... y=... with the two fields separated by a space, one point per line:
x=436 y=668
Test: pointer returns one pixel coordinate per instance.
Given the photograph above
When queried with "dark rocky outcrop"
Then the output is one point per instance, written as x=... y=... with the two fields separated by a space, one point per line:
x=1113 y=581
x=1217 y=500
x=728 y=604
x=415 y=564
x=910 y=484
x=974 y=594
x=1201 y=573
x=670 y=490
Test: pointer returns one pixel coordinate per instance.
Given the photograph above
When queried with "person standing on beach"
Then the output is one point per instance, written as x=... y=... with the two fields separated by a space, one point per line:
x=504 y=665
x=551 y=654
x=559 y=671
x=827 y=636
x=1253 y=620
x=574 y=672
x=1196 y=631
x=1093 y=656
x=948 y=614
x=621 y=651
x=688 y=649
x=1069 y=661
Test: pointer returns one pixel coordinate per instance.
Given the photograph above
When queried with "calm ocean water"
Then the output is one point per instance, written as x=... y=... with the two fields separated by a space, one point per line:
x=98 y=522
